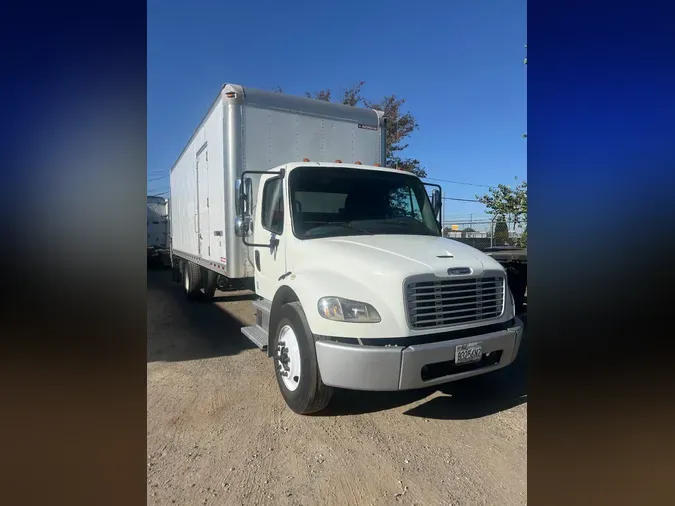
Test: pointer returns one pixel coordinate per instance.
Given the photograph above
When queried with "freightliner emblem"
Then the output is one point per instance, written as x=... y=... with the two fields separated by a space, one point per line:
x=459 y=270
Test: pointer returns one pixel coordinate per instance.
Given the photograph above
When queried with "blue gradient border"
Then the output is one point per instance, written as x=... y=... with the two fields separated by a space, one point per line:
x=601 y=160
x=72 y=208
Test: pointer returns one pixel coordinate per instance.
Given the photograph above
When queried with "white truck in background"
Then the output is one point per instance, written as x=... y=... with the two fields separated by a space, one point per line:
x=158 y=229
x=357 y=287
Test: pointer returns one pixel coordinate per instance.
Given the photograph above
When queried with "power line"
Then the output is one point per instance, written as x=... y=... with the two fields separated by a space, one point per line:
x=157 y=178
x=457 y=182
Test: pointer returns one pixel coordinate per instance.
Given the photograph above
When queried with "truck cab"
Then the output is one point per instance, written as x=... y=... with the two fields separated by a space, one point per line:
x=358 y=289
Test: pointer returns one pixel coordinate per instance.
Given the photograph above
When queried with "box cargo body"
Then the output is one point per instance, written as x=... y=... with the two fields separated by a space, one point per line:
x=249 y=129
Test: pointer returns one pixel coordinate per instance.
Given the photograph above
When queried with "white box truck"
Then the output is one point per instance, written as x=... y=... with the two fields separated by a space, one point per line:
x=158 y=228
x=356 y=286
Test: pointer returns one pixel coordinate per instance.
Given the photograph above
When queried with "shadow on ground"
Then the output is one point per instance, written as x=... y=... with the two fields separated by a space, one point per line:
x=234 y=297
x=179 y=330
x=461 y=400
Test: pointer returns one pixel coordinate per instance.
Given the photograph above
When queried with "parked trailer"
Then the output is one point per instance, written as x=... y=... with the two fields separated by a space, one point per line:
x=357 y=288
x=514 y=260
x=158 y=229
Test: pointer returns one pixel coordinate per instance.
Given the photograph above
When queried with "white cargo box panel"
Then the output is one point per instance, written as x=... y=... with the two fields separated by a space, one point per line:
x=248 y=129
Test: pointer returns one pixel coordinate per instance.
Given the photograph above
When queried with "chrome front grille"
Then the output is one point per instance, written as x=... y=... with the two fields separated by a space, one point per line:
x=440 y=303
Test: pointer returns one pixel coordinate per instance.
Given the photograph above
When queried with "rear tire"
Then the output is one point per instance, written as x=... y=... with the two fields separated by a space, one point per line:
x=210 y=284
x=191 y=280
x=175 y=272
x=294 y=354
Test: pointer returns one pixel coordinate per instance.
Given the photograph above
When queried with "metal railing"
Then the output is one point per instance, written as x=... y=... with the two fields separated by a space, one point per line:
x=488 y=233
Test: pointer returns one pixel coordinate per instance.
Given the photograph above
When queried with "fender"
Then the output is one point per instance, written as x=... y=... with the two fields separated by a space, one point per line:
x=284 y=295
x=309 y=285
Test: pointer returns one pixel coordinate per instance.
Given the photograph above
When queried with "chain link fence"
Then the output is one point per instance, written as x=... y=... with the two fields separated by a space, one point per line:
x=486 y=233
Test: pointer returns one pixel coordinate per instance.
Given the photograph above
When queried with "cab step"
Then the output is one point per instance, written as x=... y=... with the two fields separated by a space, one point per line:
x=263 y=307
x=257 y=335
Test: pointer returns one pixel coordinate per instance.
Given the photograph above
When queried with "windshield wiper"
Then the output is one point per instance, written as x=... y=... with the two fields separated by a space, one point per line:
x=349 y=225
x=345 y=224
x=403 y=220
x=406 y=221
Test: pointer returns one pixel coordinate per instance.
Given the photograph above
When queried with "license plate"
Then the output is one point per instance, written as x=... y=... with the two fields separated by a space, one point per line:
x=470 y=352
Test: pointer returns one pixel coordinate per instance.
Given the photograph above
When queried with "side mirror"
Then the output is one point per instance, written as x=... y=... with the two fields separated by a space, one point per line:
x=237 y=196
x=436 y=202
x=242 y=223
x=242 y=226
x=243 y=194
x=242 y=208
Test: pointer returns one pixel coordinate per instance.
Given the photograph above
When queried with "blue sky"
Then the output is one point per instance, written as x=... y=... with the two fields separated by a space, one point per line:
x=458 y=64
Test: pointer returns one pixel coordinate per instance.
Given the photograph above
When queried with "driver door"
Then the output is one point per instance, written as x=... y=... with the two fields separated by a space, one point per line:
x=270 y=227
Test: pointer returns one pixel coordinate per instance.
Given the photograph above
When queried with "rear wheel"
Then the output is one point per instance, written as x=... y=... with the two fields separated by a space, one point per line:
x=210 y=279
x=295 y=363
x=175 y=272
x=191 y=280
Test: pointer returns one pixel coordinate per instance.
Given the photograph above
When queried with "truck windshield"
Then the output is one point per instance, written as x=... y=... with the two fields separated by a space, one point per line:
x=339 y=201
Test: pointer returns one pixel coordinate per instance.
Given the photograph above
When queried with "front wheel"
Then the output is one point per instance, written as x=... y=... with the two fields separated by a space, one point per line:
x=295 y=363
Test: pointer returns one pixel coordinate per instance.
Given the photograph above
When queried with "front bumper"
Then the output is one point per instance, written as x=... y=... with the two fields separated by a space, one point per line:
x=386 y=368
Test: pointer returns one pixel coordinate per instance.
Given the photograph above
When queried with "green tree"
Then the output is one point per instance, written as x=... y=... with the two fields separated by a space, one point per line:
x=400 y=124
x=506 y=203
x=501 y=234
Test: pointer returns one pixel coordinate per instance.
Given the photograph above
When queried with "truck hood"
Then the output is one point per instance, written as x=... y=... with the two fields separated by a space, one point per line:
x=399 y=255
x=372 y=269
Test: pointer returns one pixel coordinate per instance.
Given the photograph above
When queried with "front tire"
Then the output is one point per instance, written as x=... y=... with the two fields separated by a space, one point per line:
x=295 y=363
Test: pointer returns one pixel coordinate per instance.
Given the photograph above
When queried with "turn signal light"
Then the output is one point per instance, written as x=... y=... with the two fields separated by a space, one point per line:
x=378 y=165
x=338 y=161
x=230 y=94
x=305 y=159
x=357 y=163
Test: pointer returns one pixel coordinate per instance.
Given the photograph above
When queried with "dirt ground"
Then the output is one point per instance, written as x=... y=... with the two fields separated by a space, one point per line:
x=220 y=433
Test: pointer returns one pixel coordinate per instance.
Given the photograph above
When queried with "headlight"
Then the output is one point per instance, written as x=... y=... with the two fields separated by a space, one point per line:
x=344 y=310
x=513 y=303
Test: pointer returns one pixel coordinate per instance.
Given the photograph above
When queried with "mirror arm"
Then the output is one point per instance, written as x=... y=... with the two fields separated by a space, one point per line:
x=437 y=206
x=271 y=244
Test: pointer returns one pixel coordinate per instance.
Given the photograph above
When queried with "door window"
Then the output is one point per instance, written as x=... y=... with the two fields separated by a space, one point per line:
x=273 y=206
